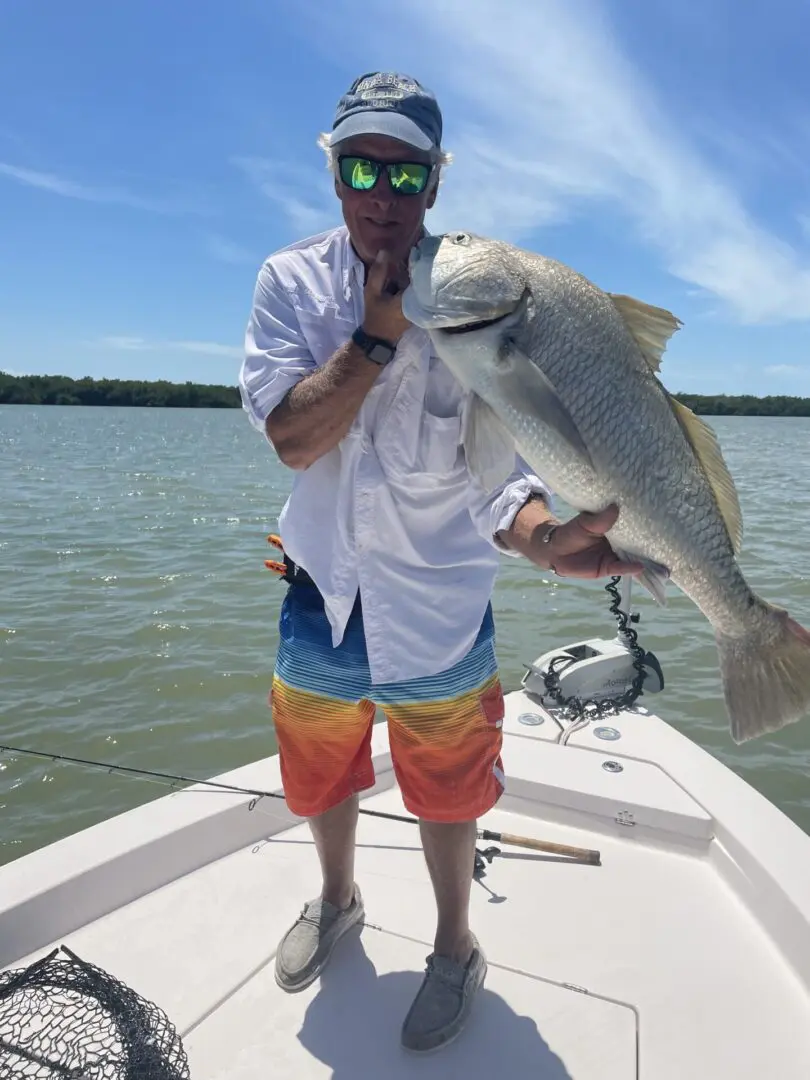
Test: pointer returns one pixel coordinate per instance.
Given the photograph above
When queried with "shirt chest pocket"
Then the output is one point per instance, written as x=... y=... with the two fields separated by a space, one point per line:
x=438 y=450
x=418 y=427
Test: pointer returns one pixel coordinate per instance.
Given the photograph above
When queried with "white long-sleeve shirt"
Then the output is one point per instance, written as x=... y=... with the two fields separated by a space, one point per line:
x=391 y=510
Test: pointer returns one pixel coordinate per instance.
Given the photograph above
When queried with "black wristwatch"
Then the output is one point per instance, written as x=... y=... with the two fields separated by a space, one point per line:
x=376 y=349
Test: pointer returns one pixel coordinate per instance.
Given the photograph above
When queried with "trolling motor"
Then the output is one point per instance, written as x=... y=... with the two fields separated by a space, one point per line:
x=597 y=676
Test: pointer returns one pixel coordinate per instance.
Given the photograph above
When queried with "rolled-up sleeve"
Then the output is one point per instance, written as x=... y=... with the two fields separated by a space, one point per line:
x=496 y=510
x=276 y=353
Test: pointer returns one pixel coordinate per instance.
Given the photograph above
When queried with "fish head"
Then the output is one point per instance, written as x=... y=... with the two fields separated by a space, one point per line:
x=458 y=279
x=473 y=297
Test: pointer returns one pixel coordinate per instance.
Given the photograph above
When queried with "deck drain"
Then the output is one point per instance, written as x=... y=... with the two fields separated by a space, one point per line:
x=612 y=766
x=610 y=733
x=532 y=719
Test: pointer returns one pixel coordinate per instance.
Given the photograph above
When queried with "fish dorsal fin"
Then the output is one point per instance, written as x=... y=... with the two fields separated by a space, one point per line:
x=704 y=442
x=652 y=327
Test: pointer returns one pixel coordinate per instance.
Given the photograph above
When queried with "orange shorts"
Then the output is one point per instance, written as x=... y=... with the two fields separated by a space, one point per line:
x=444 y=730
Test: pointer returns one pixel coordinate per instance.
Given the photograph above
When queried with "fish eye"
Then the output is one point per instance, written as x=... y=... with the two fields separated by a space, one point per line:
x=461 y=238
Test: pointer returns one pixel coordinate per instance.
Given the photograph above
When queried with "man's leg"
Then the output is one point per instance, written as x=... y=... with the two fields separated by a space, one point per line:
x=446 y=737
x=334 y=833
x=323 y=723
x=449 y=854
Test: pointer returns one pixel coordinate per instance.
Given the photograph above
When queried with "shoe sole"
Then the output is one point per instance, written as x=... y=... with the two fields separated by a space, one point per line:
x=307 y=981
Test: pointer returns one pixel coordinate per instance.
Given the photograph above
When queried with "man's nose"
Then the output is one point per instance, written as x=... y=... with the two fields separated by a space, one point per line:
x=382 y=193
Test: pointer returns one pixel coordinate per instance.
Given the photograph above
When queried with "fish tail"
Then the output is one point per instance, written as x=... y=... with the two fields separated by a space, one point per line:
x=766 y=674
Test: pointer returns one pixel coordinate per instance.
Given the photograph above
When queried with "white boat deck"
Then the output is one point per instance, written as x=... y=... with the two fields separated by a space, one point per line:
x=684 y=956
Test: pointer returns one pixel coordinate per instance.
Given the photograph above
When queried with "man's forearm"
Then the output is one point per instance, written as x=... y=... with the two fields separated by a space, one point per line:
x=319 y=410
x=532 y=523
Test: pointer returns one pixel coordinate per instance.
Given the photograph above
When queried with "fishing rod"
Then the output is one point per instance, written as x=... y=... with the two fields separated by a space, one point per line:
x=585 y=855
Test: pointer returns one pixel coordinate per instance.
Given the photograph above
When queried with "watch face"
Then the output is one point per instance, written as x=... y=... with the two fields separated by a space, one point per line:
x=380 y=354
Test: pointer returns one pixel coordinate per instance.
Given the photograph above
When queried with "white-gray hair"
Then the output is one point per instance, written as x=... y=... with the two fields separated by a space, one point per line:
x=439 y=157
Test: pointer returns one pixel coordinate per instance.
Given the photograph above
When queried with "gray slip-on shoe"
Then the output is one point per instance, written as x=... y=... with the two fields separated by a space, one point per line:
x=304 y=950
x=442 y=1006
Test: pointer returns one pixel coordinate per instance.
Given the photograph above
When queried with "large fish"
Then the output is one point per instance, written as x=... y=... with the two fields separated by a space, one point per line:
x=565 y=374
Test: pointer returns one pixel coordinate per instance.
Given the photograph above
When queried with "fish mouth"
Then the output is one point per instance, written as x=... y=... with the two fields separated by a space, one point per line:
x=438 y=318
x=497 y=315
x=479 y=324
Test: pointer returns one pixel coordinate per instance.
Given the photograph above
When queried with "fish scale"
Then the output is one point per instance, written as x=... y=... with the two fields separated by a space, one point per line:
x=566 y=375
x=597 y=410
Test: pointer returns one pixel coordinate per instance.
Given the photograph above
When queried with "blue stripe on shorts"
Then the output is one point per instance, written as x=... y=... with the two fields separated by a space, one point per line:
x=307 y=661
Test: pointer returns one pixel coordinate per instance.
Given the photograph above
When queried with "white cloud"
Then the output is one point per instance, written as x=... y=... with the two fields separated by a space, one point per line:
x=227 y=251
x=549 y=120
x=784 y=369
x=129 y=344
x=306 y=198
x=70 y=189
x=201 y=348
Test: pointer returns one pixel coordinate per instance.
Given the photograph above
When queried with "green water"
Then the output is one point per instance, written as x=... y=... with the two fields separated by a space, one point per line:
x=138 y=624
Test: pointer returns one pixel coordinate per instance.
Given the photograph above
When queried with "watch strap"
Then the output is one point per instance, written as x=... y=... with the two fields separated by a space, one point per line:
x=377 y=349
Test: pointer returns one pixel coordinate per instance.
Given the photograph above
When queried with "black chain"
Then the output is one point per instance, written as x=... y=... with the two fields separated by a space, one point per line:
x=575 y=708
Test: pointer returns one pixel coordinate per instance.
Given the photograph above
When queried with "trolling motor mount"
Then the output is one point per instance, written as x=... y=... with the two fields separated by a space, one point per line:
x=591 y=678
x=596 y=669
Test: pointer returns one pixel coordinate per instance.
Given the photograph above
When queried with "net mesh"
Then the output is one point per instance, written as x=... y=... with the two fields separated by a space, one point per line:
x=63 y=1017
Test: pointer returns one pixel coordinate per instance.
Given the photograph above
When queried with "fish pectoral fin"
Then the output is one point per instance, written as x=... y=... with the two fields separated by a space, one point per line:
x=653 y=577
x=651 y=327
x=707 y=449
x=532 y=389
x=655 y=582
x=488 y=446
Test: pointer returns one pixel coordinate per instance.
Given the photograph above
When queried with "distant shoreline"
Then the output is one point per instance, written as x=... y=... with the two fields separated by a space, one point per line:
x=61 y=390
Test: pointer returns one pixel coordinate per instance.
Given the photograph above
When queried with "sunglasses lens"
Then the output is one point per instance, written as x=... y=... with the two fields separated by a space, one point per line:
x=408 y=179
x=358 y=173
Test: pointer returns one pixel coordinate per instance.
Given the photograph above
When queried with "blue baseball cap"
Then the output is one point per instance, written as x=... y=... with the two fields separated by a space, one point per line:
x=388 y=103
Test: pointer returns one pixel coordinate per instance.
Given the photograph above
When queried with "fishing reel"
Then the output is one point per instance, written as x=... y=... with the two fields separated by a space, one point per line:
x=482 y=860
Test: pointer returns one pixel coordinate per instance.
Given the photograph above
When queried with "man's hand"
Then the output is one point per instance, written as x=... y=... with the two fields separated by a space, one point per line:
x=578 y=548
x=383 y=291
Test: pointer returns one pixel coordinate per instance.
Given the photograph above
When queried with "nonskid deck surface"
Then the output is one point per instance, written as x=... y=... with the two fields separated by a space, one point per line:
x=647 y=965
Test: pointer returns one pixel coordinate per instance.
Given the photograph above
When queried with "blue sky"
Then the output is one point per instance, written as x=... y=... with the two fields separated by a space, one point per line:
x=153 y=154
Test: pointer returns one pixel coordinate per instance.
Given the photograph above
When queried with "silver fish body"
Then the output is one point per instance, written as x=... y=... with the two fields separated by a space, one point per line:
x=566 y=375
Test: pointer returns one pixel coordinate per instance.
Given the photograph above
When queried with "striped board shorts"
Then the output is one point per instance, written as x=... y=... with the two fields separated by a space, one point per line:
x=445 y=730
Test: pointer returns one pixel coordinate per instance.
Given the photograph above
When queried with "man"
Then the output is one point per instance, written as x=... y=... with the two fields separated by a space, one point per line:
x=393 y=548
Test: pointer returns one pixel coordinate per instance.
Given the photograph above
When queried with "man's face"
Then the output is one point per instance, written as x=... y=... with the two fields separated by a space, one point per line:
x=380 y=218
